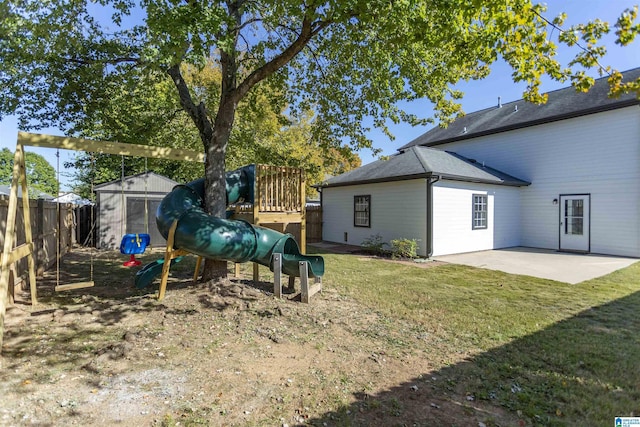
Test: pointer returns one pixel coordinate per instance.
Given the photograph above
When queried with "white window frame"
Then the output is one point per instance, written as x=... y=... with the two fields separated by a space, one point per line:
x=479 y=212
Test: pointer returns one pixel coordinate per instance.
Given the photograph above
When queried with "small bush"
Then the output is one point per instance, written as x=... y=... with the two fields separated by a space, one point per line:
x=374 y=244
x=404 y=248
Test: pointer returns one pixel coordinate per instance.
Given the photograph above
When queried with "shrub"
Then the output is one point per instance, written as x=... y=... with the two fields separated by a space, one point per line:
x=404 y=248
x=374 y=244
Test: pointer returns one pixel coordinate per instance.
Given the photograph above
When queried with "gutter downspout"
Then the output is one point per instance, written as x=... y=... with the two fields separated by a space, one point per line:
x=430 y=181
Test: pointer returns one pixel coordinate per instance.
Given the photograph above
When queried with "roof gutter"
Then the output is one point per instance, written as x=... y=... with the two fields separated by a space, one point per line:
x=432 y=179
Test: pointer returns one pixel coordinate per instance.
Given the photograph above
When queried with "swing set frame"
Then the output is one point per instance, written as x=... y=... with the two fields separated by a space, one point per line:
x=10 y=255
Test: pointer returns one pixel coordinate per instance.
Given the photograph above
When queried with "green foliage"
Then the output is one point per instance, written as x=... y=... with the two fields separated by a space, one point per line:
x=329 y=65
x=6 y=166
x=374 y=244
x=41 y=176
x=404 y=248
x=263 y=133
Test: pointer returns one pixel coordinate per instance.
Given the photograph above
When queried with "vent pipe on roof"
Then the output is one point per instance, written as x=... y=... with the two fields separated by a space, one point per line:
x=515 y=109
x=499 y=102
x=464 y=130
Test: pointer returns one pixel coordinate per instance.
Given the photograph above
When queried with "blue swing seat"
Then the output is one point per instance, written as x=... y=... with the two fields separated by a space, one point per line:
x=134 y=243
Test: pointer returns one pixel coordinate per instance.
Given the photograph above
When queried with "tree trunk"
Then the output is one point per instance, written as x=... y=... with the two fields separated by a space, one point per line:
x=215 y=183
x=215 y=139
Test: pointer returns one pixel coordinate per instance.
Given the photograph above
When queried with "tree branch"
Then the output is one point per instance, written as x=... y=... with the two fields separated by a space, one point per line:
x=307 y=32
x=113 y=61
x=198 y=113
x=560 y=31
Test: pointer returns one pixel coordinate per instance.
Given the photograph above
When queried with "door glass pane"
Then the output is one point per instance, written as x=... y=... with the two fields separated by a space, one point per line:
x=575 y=226
x=576 y=207
x=573 y=216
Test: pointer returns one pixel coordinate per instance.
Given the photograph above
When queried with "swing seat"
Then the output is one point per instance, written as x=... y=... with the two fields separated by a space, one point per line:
x=133 y=244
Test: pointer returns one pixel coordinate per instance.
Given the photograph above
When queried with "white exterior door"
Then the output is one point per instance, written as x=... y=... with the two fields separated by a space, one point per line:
x=575 y=222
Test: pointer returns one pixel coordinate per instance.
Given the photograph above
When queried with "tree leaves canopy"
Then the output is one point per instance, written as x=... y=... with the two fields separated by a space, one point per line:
x=41 y=176
x=62 y=65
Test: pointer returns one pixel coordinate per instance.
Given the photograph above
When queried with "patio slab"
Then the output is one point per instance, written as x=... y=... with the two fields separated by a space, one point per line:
x=546 y=264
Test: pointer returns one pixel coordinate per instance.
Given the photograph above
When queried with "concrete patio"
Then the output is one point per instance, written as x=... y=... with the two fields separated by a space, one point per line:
x=542 y=263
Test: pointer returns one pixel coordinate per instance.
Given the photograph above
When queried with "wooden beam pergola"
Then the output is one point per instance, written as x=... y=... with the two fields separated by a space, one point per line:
x=10 y=254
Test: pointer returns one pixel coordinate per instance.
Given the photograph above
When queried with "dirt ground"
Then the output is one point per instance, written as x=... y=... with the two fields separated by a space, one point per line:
x=222 y=355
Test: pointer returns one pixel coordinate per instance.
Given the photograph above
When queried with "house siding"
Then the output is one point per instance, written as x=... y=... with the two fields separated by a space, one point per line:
x=398 y=210
x=598 y=154
x=452 y=218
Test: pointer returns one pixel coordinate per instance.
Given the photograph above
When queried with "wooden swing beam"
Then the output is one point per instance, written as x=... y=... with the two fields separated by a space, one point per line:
x=10 y=254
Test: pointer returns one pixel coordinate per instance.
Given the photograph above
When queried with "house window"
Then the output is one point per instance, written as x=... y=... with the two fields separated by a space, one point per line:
x=479 y=212
x=362 y=211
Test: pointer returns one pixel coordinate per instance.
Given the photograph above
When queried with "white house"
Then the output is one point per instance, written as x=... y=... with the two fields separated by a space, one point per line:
x=564 y=175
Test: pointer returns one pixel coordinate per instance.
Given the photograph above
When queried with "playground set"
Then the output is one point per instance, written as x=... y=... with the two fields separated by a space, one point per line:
x=257 y=195
x=261 y=200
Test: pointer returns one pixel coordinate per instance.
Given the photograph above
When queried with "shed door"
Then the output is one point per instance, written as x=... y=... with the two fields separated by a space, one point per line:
x=136 y=222
x=574 y=222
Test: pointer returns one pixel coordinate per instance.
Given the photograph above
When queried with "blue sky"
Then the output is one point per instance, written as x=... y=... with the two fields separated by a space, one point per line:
x=478 y=94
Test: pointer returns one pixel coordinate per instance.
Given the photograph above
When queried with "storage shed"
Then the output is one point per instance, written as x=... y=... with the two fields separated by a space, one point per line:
x=129 y=206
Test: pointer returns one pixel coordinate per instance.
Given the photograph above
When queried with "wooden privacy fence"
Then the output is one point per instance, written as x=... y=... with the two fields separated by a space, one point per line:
x=314 y=223
x=44 y=224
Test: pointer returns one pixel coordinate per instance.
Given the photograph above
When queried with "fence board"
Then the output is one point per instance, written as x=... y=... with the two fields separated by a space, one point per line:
x=44 y=220
x=314 y=223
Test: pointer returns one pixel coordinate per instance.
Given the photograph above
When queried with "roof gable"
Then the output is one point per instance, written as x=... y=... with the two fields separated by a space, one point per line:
x=561 y=104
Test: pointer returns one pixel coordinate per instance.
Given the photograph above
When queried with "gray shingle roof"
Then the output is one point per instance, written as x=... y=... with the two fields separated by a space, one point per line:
x=423 y=162
x=5 y=190
x=562 y=104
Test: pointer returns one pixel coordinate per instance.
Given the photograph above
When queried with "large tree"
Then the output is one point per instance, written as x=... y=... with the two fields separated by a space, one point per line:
x=41 y=176
x=263 y=132
x=63 y=61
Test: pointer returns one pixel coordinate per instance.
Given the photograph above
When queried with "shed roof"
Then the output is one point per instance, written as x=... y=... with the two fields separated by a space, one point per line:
x=561 y=104
x=152 y=179
x=423 y=162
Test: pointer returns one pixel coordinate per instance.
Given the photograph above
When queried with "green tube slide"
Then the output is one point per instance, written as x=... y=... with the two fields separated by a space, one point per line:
x=224 y=239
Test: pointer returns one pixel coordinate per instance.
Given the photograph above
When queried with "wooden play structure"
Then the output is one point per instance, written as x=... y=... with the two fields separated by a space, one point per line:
x=11 y=254
x=279 y=204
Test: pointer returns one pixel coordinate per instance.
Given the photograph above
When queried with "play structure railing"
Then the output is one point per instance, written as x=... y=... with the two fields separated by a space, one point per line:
x=278 y=189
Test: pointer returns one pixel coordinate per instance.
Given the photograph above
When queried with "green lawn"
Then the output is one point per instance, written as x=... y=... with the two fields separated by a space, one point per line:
x=550 y=352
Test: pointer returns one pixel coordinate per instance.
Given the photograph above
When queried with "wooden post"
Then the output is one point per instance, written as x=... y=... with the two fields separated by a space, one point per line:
x=40 y=242
x=12 y=284
x=69 y=225
x=257 y=194
x=197 y=270
x=26 y=215
x=306 y=291
x=9 y=235
x=256 y=273
x=169 y=255
x=303 y=214
x=277 y=275
x=167 y=260
x=236 y=270
x=304 y=282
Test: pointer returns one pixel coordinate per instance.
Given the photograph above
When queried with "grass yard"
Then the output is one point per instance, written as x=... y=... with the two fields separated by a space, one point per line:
x=385 y=344
x=552 y=353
